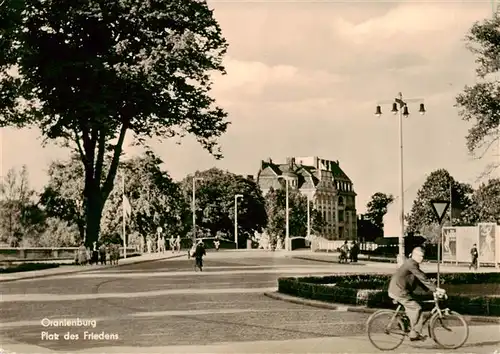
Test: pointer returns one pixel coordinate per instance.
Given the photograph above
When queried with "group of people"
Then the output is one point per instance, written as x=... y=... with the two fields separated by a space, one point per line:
x=349 y=252
x=97 y=253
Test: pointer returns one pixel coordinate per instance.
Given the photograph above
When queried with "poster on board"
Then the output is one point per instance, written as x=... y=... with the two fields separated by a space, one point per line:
x=467 y=236
x=486 y=246
x=449 y=243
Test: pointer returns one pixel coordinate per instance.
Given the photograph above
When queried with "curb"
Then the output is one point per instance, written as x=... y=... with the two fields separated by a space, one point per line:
x=297 y=300
x=325 y=260
x=361 y=309
x=88 y=270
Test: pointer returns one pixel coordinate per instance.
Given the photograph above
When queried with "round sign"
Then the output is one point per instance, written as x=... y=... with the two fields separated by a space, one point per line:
x=159 y=229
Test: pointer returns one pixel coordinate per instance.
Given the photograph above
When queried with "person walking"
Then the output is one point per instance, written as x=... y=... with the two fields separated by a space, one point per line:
x=198 y=255
x=102 y=254
x=354 y=252
x=474 y=256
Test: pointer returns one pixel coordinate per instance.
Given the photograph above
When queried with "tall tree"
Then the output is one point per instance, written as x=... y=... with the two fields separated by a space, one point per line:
x=155 y=198
x=127 y=66
x=215 y=204
x=19 y=214
x=485 y=203
x=437 y=186
x=371 y=226
x=480 y=103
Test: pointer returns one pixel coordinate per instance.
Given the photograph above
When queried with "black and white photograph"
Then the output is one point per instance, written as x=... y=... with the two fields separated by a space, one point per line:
x=249 y=176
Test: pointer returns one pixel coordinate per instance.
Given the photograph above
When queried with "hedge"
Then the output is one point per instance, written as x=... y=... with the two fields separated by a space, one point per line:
x=26 y=267
x=371 y=290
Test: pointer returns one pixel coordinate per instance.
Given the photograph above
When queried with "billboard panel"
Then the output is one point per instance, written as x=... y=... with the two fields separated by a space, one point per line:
x=467 y=236
x=449 y=244
x=486 y=245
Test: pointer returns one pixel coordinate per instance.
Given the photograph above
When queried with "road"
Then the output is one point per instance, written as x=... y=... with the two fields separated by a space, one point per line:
x=166 y=307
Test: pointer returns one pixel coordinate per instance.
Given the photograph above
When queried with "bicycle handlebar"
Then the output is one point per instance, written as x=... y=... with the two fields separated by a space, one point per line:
x=440 y=296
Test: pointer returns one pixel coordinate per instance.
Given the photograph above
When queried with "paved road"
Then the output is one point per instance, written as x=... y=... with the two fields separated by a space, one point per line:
x=166 y=307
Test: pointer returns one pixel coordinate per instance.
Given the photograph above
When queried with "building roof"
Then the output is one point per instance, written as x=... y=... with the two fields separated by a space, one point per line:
x=307 y=176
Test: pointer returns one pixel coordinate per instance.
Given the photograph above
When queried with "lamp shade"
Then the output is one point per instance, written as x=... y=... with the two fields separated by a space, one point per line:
x=394 y=108
x=405 y=111
x=378 y=111
x=422 y=109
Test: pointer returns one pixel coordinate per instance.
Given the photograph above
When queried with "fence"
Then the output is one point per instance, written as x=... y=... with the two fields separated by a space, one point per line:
x=46 y=253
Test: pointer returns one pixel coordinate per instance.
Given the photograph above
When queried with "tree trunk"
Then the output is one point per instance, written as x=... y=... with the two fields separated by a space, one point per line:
x=93 y=219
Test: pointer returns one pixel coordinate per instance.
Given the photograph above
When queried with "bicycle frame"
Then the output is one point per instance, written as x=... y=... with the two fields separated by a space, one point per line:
x=435 y=310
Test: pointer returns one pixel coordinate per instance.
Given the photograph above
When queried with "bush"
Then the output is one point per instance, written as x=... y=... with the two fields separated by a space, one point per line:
x=26 y=267
x=371 y=290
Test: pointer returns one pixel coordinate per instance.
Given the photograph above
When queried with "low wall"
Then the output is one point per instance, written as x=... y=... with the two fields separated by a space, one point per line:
x=43 y=253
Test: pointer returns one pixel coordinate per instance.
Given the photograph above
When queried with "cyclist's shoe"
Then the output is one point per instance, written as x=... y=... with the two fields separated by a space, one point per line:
x=415 y=336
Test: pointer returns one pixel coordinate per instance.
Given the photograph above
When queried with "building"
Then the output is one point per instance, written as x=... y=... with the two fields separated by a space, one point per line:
x=327 y=186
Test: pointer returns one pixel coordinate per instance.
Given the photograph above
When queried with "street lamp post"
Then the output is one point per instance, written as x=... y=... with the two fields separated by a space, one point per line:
x=193 y=206
x=287 y=212
x=403 y=111
x=236 y=197
x=308 y=216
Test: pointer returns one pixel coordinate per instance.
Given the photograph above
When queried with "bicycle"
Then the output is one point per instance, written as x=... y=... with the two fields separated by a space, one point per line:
x=401 y=323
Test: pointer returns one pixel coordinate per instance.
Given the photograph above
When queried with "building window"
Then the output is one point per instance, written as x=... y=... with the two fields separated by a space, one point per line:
x=341 y=201
x=341 y=216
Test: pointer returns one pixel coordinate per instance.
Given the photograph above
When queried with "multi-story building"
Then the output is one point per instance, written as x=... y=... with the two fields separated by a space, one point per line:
x=325 y=184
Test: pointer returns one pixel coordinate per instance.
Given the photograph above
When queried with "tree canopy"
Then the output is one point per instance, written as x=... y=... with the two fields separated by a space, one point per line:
x=437 y=186
x=371 y=226
x=480 y=103
x=297 y=203
x=88 y=72
x=215 y=192
x=485 y=203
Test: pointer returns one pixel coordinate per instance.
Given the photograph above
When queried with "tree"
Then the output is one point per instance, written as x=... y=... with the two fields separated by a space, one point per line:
x=297 y=203
x=480 y=103
x=127 y=66
x=376 y=210
x=437 y=186
x=62 y=197
x=156 y=199
x=215 y=204
x=19 y=214
x=485 y=203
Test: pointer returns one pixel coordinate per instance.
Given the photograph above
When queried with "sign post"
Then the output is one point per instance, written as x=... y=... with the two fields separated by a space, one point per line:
x=439 y=207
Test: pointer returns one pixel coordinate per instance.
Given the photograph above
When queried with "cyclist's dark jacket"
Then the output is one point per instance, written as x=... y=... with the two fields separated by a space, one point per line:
x=406 y=279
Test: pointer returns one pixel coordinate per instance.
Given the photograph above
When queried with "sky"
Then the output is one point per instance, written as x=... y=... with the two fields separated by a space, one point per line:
x=304 y=78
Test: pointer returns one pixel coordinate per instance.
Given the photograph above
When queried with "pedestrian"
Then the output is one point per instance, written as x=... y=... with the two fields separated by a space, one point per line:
x=102 y=253
x=217 y=243
x=82 y=254
x=474 y=255
x=178 y=243
x=354 y=252
x=198 y=255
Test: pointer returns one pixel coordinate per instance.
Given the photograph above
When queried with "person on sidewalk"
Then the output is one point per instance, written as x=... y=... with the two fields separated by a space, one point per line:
x=178 y=244
x=402 y=285
x=474 y=256
x=354 y=252
x=82 y=254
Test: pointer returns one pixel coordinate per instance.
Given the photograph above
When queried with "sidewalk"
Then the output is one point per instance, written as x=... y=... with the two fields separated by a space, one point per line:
x=62 y=270
x=482 y=339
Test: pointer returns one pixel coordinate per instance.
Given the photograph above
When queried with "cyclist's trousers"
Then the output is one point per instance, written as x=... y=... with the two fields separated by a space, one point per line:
x=413 y=310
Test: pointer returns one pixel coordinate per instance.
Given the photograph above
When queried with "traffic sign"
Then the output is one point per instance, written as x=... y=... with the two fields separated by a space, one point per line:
x=440 y=207
x=159 y=229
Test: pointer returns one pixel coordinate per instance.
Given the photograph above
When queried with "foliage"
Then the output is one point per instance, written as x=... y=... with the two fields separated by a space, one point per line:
x=128 y=66
x=485 y=203
x=371 y=290
x=437 y=186
x=215 y=193
x=371 y=225
x=480 y=103
x=297 y=203
x=19 y=214
x=58 y=233
x=62 y=196
x=155 y=199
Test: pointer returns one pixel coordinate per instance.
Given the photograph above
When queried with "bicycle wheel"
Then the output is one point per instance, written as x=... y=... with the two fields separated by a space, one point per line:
x=449 y=331
x=384 y=334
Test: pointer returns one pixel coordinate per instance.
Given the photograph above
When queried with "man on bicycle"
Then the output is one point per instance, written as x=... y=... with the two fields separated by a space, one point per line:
x=402 y=286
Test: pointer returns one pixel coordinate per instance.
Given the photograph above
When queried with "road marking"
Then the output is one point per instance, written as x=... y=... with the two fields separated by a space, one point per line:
x=75 y=297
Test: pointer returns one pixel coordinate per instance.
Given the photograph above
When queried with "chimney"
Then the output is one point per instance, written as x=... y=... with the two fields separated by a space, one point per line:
x=269 y=160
